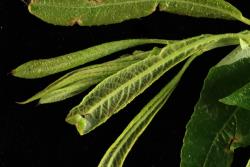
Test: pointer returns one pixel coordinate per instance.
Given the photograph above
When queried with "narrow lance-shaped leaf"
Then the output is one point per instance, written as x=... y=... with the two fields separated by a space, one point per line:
x=118 y=151
x=81 y=79
x=100 y=12
x=116 y=91
x=44 y=67
x=226 y=127
x=67 y=92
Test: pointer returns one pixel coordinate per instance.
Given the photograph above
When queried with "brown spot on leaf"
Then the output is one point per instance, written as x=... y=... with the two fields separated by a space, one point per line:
x=76 y=21
x=230 y=148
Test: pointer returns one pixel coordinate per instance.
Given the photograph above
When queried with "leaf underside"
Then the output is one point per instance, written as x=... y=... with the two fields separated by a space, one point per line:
x=116 y=154
x=101 y=12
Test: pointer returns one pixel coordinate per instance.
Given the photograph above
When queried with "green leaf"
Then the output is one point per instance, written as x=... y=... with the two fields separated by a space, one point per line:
x=66 y=92
x=245 y=43
x=81 y=79
x=215 y=130
x=240 y=97
x=100 y=12
x=118 y=90
x=45 y=67
x=248 y=164
x=119 y=150
x=204 y=8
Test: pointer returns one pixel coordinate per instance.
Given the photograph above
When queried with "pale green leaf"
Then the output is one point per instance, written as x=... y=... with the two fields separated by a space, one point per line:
x=44 y=67
x=215 y=130
x=118 y=151
x=100 y=12
x=79 y=80
x=248 y=164
x=66 y=92
x=244 y=43
x=118 y=90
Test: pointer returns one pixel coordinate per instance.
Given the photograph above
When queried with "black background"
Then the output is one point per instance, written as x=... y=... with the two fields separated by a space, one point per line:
x=38 y=136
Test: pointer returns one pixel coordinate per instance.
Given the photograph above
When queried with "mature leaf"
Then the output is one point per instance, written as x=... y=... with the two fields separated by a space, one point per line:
x=215 y=130
x=116 y=91
x=119 y=150
x=240 y=97
x=99 y=12
x=45 y=67
x=79 y=80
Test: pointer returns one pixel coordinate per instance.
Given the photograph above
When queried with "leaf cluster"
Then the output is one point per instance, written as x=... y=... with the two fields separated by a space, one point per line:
x=224 y=104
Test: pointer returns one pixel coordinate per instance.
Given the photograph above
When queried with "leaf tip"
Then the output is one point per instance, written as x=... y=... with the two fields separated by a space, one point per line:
x=245 y=20
x=79 y=122
x=226 y=100
x=18 y=72
x=23 y=102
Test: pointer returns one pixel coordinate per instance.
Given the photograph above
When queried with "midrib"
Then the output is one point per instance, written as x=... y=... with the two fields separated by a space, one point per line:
x=216 y=136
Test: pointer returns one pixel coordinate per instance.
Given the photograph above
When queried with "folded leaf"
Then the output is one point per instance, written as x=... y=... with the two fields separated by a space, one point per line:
x=215 y=130
x=81 y=79
x=44 y=67
x=100 y=12
x=118 y=90
x=118 y=151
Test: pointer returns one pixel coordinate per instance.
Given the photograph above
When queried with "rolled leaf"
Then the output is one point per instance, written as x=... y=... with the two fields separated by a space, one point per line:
x=44 y=67
x=215 y=130
x=118 y=90
x=118 y=151
x=101 y=12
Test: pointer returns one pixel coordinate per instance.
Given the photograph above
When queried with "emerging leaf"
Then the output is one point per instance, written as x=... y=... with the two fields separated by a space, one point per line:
x=118 y=90
x=215 y=130
x=100 y=12
x=118 y=151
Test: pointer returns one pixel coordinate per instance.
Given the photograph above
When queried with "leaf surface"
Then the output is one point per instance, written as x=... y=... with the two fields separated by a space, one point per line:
x=79 y=80
x=101 y=12
x=215 y=130
x=240 y=97
x=44 y=67
x=118 y=90
x=118 y=151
